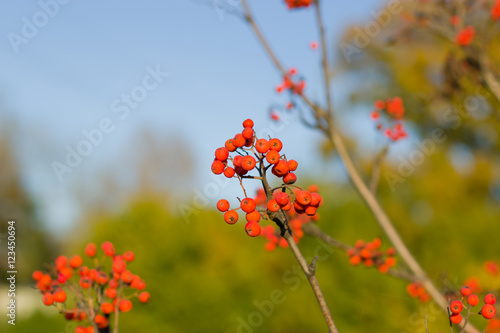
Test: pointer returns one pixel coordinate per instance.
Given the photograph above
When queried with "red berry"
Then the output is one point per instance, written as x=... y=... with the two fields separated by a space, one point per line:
x=90 y=250
x=282 y=198
x=239 y=140
x=304 y=197
x=218 y=167
x=281 y=168
x=108 y=249
x=262 y=146
x=237 y=160
x=144 y=297
x=248 y=123
x=275 y=144
x=289 y=178
x=37 y=275
x=248 y=162
x=48 y=299
x=490 y=299
x=253 y=229
x=231 y=217
x=229 y=172
x=248 y=205
x=473 y=300
x=221 y=153
x=456 y=318
x=456 y=307
x=107 y=308
x=129 y=256
x=223 y=205
x=488 y=311
x=465 y=291
x=111 y=292
x=315 y=199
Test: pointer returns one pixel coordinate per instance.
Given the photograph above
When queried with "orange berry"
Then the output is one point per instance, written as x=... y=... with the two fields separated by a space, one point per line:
x=253 y=229
x=273 y=206
x=247 y=133
x=127 y=277
x=456 y=318
x=144 y=297
x=101 y=321
x=229 y=172
x=119 y=266
x=107 y=308
x=292 y=164
x=239 y=140
x=282 y=198
x=60 y=296
x=61 y=262
x=248 y=205
x=281 y=168
x=488 y=311
x=45 y=280
x=365 y=254
x=315 y=199
x=237 y=160
x=129 y=256
x=114 y=283
x=304 y=197
x=391 y=261
x=391 y=251
x=376 y=242
x=231 y=217
x=310 y=211
x=229 y=145
x=125 y=305
x=355 y=260
x=221 y=154
x=85 y=282
x=289 y=178
x=262 y=146
x=217 y=167
x=81 y=329
x=275 y=144
x=248 y=162
x=456 y=307
x=253 y=216
x=75 y=261
x=273 y=156
x=223 y=205
x=90 y=250
x=248 y=123
x=48 y=299
x=37 y=275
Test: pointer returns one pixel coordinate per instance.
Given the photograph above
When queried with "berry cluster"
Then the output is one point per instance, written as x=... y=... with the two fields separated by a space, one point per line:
x=296 y=87
x=488 y=310
x=465 y=36
x=370 y=255
x=416 y=290
x=295 y=221
x=84 y=283
x=298 y=3
x=395 y=110
x=260 y=155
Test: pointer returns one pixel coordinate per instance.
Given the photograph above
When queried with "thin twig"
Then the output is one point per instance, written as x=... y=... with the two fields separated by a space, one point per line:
x=377 y=167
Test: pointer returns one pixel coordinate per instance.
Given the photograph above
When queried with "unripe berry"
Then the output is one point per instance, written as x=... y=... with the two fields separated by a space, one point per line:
x=456 y=307
x=488 y=311
x=490 y=299
x=253 y=229
x=223 y=205
x=231 y=217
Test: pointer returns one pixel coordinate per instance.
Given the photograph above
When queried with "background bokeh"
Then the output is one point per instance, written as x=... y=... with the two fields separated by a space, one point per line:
x=147 y=186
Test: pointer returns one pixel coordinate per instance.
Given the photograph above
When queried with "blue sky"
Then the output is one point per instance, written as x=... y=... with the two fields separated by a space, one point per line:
x=65 y=77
